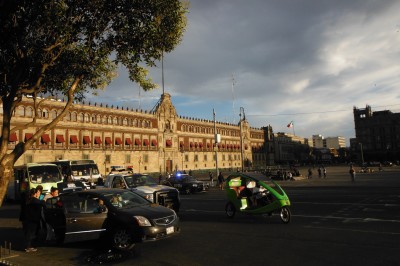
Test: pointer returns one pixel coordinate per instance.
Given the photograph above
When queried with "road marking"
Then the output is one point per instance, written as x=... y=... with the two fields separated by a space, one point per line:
x=347 y=219
x=352 y=230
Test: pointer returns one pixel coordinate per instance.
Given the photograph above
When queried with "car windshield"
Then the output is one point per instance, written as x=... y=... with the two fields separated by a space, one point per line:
x=84 y=169
x=125 y=199
x=139 y=180
x=44 y=174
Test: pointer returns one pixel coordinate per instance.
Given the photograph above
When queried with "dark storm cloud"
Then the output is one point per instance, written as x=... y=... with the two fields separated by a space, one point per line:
x=290 y=60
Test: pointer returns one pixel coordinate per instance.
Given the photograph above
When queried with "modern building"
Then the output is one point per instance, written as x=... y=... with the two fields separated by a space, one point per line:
x=330 y=142
x=377 y=134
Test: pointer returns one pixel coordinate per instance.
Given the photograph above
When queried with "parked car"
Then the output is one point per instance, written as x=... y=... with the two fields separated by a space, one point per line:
x=120 y=216
x=145 y=186
x=186 y=183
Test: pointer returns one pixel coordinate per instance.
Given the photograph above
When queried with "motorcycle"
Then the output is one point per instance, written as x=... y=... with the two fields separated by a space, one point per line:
x=254 y=193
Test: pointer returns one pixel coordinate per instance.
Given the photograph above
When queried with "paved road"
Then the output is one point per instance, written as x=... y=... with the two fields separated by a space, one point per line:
x=335 y=222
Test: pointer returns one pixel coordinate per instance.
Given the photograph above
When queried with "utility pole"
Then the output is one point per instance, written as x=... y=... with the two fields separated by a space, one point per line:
x=241 y=136
x=216 y=139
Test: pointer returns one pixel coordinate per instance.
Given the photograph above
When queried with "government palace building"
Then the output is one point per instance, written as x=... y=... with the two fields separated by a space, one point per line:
x=155 y=141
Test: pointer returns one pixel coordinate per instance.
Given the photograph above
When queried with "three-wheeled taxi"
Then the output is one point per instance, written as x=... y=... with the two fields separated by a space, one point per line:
x=254 y=193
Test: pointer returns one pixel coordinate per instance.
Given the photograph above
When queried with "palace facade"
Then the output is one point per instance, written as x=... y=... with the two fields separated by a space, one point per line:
x=148 y=141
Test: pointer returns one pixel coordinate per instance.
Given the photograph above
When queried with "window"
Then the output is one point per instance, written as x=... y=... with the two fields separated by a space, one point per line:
x=108 y=158
x=186 y=158
x=196 y=158
x=205 y=158
x=85 y=157
x=127 y=158
x=145 y=158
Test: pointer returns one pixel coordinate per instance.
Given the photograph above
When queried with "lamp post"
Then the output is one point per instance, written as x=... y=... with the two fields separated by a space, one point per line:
x=216 y=140
x=241 y=136
x=362 y=153
x=183 y=155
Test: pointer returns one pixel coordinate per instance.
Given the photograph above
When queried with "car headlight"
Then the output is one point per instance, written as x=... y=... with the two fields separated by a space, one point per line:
x=142 y=221
x=149 y=197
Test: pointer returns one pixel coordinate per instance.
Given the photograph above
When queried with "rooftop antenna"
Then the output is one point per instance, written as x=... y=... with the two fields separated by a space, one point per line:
x=162 y=71
x=233 y=98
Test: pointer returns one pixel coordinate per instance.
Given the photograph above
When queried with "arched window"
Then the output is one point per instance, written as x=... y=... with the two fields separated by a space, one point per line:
x=74 y=117
x=68 y=116
x=94 y=118
x=98 y=119
x=115 y=121
x=109 y=120
x=20 y=111
x=87 y=118
x=125 y=122
x=81 y=117
x=53 y=114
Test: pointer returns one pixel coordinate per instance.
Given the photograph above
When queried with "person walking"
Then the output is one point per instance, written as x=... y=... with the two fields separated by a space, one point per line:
x=319 y=172
x=324 y=171
x=352 y=172
x=221 y=181
x=211 y=178
x=309 y=173
x=31 y=217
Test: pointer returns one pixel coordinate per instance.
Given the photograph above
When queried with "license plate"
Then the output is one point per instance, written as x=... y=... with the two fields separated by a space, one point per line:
x=170 y=230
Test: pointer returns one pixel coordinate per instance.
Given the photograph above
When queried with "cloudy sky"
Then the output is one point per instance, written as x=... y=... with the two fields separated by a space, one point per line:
x=304 y=61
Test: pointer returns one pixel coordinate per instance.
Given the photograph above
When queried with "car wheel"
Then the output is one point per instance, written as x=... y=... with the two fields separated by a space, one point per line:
x=285 y=215
x=230 y=210
x=122 y=239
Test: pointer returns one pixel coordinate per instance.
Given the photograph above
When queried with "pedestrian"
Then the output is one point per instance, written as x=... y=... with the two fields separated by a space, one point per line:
x=309 y=173
x=159 y=179
x=190 y=172
x=49 y=229
x=221 y=181
x=289 y=175
x=324 y=171
x=319 y=172
x=352 y=172
x=31 y=218
x=211 y=178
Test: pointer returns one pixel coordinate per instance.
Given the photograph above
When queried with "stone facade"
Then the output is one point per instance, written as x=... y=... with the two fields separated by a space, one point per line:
x=148 y=141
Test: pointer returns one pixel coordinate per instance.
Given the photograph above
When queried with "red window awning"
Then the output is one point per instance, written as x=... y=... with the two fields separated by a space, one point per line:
x=246 y=146
x=60 y=139
x=28 y=136
x=201 y=144
x=137 y=142
x=118 y=141
x=146 y=142
x=208 y=145
x=108 y=140
x=13 y=137
x=128 y=141
x=73 y=139
x=45 y=138
x=97 y=140
x=154 y=142
x=196 y=144
x=168 y=142
x=191 y=144
x=223 y=146
x=86 y=140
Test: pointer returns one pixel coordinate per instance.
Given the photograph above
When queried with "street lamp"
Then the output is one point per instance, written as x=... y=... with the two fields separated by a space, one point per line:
x=362 y=153
x=183 y=155
x=241 y=136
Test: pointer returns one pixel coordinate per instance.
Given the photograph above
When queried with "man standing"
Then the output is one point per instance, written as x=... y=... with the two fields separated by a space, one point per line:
x=31 y=218
x=352 y=174
x=49 y=229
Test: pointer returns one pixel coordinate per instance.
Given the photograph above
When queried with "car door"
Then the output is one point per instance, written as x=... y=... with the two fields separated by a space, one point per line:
x=83 y=221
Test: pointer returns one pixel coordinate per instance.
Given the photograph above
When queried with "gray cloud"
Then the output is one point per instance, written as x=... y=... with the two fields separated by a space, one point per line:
x=291 y=60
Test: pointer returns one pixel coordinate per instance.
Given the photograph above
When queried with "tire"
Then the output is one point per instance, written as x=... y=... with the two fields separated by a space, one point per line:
x=122 y=240
x=230 y=210
x=285 y=214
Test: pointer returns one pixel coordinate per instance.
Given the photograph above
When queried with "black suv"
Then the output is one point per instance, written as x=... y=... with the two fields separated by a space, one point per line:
x=122 y=217
x=186 y=183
